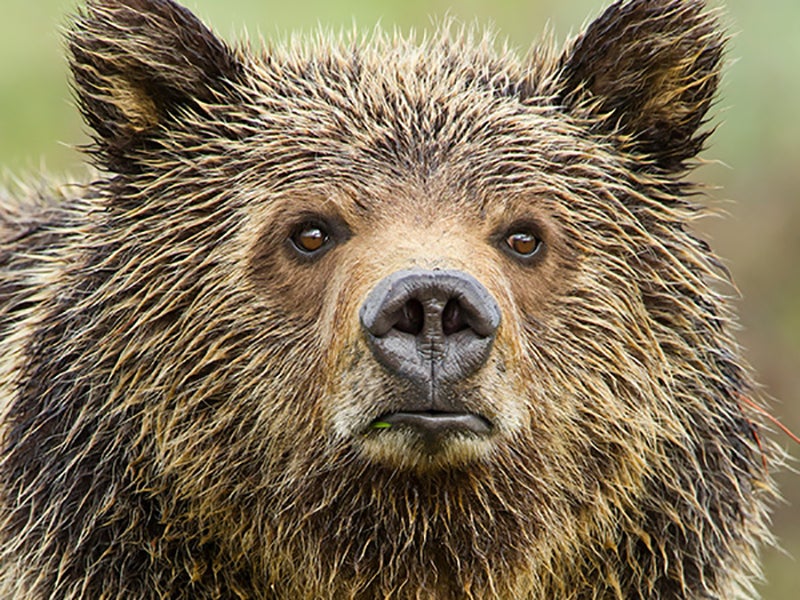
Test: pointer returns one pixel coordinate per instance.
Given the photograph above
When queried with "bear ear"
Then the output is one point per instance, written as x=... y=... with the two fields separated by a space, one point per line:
x=135 y=62
x=645 y=72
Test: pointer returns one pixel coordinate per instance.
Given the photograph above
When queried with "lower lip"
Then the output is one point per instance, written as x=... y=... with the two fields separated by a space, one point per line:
x=434 y=422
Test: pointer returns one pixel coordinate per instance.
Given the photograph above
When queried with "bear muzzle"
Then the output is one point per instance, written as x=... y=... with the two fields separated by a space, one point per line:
x=433 y=329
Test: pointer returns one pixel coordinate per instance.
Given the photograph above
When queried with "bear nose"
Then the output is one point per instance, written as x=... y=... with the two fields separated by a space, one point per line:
x=430 y=326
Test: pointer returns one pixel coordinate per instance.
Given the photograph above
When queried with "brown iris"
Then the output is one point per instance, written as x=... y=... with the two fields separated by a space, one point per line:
x=523 y=243
x=310 y=238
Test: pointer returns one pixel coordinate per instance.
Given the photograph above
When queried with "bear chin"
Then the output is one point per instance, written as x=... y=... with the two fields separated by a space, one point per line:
x=406 y=449
x=428 y=440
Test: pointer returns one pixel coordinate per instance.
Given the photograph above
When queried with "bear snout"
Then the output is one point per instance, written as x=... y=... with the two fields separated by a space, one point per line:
x=432 y=327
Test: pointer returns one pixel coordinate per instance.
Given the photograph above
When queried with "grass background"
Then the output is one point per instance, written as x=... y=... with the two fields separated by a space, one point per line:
x=755 y=154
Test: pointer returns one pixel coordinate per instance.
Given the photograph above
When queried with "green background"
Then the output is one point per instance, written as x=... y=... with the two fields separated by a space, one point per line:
x=755 y=154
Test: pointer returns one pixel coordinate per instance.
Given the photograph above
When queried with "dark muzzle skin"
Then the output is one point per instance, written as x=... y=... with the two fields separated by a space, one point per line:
x=432 y=328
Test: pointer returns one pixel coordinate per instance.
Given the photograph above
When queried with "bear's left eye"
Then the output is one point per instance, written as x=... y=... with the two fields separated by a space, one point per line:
x=310 y=238
x=523 y=242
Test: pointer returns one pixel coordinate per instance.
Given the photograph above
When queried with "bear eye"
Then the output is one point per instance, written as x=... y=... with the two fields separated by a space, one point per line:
x=523 y=243
x=310 y=238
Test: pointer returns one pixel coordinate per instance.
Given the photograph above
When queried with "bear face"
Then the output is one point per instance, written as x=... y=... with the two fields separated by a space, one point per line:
x=387 y=224
x=378 y=319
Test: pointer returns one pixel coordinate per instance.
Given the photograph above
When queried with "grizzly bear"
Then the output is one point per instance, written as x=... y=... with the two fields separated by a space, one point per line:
x=378 y=318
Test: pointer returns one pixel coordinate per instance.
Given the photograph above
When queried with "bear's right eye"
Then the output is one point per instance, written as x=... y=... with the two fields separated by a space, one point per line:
x=310 y=238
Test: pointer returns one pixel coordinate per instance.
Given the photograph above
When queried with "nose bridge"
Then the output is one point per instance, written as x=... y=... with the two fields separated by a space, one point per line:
x=436 y=246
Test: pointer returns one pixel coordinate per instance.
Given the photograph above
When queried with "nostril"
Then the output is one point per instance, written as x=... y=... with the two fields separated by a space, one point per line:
x=453 y=319
x=411 y=318
x=431 y=327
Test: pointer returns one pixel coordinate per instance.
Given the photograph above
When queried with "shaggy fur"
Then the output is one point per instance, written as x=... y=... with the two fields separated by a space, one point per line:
x=186 y=400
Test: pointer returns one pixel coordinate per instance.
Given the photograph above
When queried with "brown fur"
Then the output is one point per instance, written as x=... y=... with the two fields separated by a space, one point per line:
x=185 y=400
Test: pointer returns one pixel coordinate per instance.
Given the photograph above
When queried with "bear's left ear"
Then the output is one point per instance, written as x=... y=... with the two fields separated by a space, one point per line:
x=136 y=63
x=646 y=72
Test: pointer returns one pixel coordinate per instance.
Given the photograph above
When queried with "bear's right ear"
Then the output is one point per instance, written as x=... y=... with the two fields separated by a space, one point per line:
x=134 y=62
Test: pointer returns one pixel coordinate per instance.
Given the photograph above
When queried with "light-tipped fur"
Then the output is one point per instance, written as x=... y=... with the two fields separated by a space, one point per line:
x=184 y=400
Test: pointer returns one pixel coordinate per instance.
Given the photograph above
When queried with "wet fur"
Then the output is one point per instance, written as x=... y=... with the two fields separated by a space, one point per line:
x=184 y=402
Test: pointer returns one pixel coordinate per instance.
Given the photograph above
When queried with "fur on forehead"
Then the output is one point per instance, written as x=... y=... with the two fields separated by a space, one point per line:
x=640 y=78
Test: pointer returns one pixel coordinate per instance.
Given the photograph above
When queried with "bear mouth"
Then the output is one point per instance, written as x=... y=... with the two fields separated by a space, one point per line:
x=433 y=426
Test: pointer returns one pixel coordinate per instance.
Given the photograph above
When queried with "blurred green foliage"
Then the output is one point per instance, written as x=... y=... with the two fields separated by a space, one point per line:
x=758 y=136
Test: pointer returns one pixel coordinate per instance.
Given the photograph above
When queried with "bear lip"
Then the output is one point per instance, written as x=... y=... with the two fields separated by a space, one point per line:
x=432 y=425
